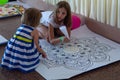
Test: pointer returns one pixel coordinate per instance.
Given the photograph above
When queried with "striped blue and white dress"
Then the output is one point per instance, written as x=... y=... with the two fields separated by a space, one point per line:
x=21 y=52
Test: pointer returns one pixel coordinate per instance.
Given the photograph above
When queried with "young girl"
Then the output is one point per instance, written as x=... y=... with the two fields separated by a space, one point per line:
x=60 y=17
x=23 y=50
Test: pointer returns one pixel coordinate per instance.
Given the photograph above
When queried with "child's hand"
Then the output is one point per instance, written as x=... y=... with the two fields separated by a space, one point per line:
x=66 y=39
x=47 y=38
x=54 y=41
x=44 y=55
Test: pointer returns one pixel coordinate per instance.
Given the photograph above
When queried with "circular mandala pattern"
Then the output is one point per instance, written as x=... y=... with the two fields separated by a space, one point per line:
x=78 y=54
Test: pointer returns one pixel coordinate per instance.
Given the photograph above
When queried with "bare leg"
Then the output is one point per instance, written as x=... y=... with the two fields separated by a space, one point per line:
x=43 y=31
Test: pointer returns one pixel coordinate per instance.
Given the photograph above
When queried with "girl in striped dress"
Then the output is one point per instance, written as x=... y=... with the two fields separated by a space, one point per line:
x=23 y=50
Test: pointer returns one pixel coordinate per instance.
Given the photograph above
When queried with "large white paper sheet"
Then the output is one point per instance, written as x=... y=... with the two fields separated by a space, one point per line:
x=106 y=52
x=3 y=40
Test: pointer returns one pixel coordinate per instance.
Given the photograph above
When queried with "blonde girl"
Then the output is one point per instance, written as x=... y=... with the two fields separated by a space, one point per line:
x=23 y=50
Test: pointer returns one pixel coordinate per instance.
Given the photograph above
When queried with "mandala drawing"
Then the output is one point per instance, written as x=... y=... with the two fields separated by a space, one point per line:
x=78 y=54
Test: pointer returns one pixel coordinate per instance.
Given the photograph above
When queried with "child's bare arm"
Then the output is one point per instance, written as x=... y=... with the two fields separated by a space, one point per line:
x=51 y=36
x=35 y=35
x=52 y=39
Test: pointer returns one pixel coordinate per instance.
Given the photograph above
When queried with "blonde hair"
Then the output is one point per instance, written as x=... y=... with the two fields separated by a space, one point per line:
x=31 y=17
x=63 y=4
